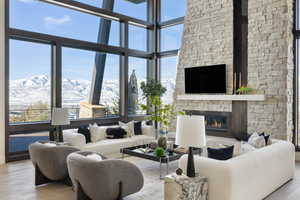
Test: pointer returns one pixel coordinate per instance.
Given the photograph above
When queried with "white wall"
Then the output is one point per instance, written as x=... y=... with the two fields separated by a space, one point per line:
x=2 y=82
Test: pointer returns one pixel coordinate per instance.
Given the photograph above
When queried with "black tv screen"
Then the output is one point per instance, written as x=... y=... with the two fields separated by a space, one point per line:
x=208 y=79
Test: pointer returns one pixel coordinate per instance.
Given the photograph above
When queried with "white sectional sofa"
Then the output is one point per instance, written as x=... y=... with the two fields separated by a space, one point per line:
x=250 y=176
x=109 y=147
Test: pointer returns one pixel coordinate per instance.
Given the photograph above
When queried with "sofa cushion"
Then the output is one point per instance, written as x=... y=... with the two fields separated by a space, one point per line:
x=220 y=153
x=115 y=133
x=97 y=132
x=109 y=146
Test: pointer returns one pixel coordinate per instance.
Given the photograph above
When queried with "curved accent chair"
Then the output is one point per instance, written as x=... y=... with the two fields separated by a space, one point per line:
x=50 y=162
x=107 y=179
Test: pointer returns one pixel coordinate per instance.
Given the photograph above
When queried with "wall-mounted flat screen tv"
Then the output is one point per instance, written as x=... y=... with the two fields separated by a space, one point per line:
x=206 y=79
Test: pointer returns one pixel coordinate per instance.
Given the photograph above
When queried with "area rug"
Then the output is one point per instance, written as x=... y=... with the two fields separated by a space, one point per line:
x=153 y=186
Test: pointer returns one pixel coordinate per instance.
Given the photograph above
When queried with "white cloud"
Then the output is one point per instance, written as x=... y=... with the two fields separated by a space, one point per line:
x=57 y=21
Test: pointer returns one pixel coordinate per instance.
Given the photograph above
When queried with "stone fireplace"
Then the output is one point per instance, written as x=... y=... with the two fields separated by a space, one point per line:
x=208 y=39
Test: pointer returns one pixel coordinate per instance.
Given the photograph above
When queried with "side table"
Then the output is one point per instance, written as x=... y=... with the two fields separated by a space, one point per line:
x=182 y=187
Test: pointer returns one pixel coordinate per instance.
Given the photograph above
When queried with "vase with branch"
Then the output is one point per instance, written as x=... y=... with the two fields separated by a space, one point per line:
x=161 y=114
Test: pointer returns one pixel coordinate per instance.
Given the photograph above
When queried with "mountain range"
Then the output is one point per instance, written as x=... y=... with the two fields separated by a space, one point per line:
x=24 y=92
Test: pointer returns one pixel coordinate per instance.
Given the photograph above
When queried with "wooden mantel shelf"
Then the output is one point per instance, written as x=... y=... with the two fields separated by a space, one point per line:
x=221 y=97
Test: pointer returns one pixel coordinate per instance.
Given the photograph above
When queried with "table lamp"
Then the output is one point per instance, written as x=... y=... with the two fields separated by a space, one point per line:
x=190 y=132
x=60 y=117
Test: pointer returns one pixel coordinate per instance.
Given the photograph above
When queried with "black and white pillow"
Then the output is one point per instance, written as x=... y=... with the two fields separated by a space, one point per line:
x=128 y=127
x=267 y=138
x=256 y=140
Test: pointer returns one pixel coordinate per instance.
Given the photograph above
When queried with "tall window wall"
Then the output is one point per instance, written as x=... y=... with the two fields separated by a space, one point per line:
x=172 y=18
x=85 y=55
x=296 y=138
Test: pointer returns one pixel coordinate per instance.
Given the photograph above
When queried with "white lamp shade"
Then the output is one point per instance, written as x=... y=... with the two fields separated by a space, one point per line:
x=190 y=131
x=60 y=116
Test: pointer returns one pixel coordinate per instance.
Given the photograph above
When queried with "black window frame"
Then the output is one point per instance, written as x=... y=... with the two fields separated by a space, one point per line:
x=152 y=54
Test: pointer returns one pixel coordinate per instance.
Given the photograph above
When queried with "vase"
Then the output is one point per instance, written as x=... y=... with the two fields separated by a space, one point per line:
x=162 y=140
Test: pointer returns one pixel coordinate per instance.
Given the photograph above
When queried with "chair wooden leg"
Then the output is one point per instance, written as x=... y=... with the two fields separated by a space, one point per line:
x=79 y=193
x=120 y=191
x=40 y=178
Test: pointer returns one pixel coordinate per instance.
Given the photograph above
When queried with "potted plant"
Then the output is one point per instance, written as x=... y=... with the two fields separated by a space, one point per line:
x=161 y=114
x=244 y=90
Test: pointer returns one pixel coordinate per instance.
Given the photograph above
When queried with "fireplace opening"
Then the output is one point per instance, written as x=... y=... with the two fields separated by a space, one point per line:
x=216 y=123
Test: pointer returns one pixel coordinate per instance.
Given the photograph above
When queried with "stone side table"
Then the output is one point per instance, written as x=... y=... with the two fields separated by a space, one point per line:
x=185 y=188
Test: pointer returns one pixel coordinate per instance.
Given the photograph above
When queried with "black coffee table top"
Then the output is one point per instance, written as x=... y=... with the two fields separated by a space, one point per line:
x=151 y=155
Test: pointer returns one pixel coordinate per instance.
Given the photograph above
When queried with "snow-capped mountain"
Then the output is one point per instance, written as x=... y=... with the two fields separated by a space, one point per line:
x=25 y=92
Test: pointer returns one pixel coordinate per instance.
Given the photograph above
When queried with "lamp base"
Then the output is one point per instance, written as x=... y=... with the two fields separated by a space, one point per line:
x=190 y=171
x=56 y=134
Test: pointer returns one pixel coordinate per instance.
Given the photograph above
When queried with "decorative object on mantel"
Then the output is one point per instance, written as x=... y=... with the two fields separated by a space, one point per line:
x=181 y=187
x=190 y=132
x=60 y=117
x=244 y=90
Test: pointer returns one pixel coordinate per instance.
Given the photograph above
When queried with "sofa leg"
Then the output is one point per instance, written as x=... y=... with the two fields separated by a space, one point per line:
x=40 y=178
x=79 y=193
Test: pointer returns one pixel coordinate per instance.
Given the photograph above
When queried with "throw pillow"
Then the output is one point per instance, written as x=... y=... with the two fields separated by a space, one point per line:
x=220 y=153
x=257 y=141
x=138 y=128
x=97 y=132
x=94 y=157
x=115 y=133
x=128 y=127
x=267 y=138
x=86 y=132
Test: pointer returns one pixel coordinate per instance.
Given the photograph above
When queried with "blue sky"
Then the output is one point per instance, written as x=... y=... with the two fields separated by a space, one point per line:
x=28 y=59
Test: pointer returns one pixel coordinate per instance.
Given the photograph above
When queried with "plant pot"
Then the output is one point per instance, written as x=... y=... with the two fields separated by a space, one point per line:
x=162 y=141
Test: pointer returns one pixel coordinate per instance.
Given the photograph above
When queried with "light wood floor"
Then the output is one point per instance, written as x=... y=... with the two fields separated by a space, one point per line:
x=17 y=183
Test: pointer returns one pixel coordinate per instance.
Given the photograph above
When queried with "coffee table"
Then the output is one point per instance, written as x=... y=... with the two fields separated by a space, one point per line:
x=134 y=151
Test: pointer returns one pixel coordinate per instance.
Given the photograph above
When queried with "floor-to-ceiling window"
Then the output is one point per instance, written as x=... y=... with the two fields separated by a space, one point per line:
x=172 y=18
x=296 y=136
x=86 y=55
x=72 y=56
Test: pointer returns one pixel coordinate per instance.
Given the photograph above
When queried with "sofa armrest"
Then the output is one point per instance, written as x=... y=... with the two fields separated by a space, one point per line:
x=74 y=138
x=148 y=130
